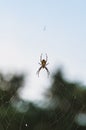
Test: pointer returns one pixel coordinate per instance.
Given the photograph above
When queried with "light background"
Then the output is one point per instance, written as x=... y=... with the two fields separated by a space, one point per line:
x=31 y=27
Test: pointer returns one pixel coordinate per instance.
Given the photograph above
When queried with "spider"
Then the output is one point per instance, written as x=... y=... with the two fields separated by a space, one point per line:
x=43 y=64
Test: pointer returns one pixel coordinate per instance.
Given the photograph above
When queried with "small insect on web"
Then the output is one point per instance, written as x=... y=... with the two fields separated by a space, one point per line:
x=43 y=63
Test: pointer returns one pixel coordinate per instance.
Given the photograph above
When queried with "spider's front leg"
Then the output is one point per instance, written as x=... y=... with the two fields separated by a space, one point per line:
x=46 y=58
x=39 y=70
x=41 y=58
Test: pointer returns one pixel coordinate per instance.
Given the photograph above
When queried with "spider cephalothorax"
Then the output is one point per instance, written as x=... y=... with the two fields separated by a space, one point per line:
x=43 y=64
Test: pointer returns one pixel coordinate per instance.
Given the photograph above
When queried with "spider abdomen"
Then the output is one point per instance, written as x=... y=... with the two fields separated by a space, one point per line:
x=43 y=62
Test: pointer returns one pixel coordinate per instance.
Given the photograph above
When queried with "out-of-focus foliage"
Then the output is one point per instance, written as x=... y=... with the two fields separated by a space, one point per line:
x=68 y=100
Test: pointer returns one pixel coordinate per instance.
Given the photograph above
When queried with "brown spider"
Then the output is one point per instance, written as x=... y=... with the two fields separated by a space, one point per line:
x=43 y=64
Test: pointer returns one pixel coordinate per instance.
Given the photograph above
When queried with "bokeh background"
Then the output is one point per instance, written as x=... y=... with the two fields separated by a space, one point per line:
x=27 y=29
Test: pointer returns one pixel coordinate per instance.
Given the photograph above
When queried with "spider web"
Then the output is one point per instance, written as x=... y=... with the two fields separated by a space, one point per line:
x=8 y=111
x=57 y=114
x=67 y=118
x=69 y=108
x=70 y=104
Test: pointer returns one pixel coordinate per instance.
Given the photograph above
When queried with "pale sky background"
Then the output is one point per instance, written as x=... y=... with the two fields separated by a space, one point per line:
x=31 y=27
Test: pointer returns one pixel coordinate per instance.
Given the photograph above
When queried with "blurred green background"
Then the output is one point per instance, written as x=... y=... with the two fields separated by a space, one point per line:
x=65 y=108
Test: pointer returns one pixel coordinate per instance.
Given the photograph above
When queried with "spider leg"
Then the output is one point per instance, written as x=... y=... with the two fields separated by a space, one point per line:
x=41 y=58
x=47 y=71
x=46 y=57
x=39 y=70
x=39 y=63
x=47 y=63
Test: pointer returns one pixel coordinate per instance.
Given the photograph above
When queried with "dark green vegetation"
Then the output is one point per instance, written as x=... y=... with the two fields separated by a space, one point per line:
x=66 y=100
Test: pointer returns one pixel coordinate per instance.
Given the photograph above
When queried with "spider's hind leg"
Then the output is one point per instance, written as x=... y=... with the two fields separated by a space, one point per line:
x=47 y=71
x=38 y=71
